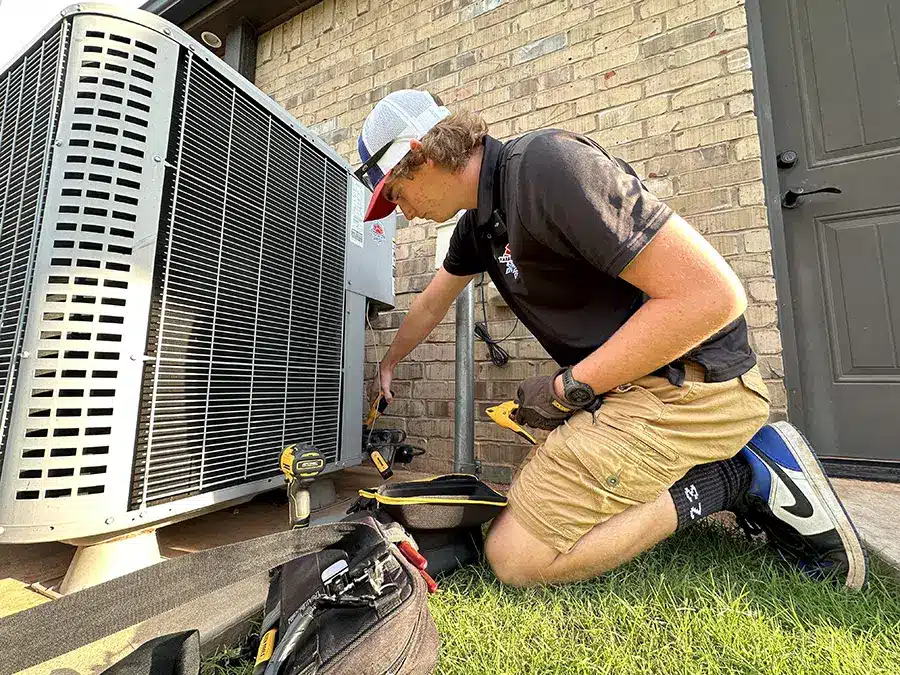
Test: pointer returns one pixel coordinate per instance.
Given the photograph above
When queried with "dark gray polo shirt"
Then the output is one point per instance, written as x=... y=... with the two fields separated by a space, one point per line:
x=558 y=219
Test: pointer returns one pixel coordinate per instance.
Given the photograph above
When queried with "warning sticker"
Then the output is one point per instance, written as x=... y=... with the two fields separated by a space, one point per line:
x=357 y=212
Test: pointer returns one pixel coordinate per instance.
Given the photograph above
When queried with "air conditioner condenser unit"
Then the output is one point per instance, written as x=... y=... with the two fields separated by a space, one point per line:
x=184 y=277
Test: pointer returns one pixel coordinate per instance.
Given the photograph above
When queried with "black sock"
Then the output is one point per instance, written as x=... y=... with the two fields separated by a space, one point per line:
x=709 y=488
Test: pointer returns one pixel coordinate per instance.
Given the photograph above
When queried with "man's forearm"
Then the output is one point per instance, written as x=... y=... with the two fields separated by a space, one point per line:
x=416 y=326
x=660 y=332
x=426 y=312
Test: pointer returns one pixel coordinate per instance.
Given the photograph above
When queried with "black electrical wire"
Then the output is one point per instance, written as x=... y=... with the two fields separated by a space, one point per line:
x=499 y=356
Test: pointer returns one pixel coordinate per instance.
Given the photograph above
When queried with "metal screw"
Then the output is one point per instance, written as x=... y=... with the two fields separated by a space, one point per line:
x=109 y=521
x=57 y=143
x=166 y=31
x=134 y=357
x=157 y=158
x=26 y=355
x=192 y=47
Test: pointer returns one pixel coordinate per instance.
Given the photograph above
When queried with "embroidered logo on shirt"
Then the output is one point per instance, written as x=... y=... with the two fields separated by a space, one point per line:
x=506 y=259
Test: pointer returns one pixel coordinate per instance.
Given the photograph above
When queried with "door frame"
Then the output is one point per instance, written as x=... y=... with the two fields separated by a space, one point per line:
x=862 y=469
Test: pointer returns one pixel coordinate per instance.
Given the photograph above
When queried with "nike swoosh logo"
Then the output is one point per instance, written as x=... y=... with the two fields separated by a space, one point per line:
x=801 y=508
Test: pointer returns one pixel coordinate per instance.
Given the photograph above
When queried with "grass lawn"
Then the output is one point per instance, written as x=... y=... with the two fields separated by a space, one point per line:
x=704 y=601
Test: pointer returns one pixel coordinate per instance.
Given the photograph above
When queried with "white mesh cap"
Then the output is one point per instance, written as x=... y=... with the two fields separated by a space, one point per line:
x=397 y=119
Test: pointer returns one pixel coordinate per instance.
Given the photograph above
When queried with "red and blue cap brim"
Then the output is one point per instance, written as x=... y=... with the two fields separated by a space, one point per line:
x=379 y=207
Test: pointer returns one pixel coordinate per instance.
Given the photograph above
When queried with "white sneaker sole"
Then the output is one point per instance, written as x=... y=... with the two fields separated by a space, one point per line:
x=856 y=554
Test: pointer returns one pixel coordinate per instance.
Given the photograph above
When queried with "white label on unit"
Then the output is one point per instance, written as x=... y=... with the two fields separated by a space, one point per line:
x=357 y=212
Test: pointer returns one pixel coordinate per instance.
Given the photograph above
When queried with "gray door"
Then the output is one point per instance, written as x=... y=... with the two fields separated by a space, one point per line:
x=834 y=74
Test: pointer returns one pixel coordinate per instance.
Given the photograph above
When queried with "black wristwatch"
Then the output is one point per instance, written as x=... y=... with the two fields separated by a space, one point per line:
x=575 y=392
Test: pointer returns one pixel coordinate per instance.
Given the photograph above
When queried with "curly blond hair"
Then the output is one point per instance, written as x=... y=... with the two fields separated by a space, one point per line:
x=450 y=144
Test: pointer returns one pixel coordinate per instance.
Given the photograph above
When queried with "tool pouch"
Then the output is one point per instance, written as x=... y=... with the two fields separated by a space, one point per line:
x=393 y=633
x=443 y=514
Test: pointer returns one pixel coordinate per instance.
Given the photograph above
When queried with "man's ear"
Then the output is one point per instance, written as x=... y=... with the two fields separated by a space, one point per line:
x=415 y=145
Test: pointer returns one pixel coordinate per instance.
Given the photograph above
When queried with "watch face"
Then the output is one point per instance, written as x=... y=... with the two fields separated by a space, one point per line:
x=579 y=395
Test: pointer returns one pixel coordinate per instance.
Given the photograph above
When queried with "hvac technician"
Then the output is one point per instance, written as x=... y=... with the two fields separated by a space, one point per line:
x=658 y=390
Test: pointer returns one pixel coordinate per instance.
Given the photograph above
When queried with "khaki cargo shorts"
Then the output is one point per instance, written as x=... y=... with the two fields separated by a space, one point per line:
x=644 y=437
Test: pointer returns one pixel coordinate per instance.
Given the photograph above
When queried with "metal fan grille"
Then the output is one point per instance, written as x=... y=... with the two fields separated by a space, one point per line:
x=255 y=234
x=28 y=105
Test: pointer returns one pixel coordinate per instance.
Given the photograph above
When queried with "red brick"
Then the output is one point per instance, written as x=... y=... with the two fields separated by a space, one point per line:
x=408 y=371
x=502 y=391
x=430 y=428
x=514 y=370
x=432 y=389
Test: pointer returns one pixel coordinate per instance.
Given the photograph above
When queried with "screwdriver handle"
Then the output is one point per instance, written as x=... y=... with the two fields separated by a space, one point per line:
x=381 y=464
x=415 y=558
x=379 y=405
x=265 y=651
x=429 y=581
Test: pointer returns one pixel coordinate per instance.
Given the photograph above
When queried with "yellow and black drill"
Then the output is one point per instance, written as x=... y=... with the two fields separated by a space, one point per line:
x=300 y=467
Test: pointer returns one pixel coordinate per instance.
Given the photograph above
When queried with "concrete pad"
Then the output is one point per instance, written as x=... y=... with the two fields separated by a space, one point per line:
x=17 y=597
x=875 y=510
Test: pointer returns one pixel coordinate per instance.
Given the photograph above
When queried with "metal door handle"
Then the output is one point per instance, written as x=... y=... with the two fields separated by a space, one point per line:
x=794 y=197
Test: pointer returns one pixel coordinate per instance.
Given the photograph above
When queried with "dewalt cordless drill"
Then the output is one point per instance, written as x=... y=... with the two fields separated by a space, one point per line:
x=300 y=467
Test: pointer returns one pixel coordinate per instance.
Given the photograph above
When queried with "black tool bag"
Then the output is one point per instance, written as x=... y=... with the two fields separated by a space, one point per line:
x=443 y=514
x=356 y=608
x=391 y=631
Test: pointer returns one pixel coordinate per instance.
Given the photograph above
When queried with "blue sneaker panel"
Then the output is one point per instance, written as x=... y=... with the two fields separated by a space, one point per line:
x=770 y=442
x=761 y=483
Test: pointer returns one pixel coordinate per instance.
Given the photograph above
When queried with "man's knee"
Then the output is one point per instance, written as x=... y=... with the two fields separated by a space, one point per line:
x=501 y=563
x=515 y=557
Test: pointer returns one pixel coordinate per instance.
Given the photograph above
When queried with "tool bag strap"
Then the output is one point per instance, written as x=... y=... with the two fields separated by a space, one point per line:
x=95 y=612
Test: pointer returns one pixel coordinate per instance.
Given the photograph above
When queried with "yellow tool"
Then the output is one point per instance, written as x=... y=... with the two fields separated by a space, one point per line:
x=300 y=468
x=378 y=407
x=502 y=415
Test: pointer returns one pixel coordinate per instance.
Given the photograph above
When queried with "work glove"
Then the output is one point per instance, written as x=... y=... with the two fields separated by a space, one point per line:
x=539 y=406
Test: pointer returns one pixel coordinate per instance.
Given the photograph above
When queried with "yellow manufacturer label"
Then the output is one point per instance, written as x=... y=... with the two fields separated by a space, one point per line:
x=266 y=646
x=379 y=461
x=561 y=406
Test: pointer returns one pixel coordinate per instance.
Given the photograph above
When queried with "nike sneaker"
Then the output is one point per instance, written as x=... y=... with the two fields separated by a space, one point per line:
x=792 y=501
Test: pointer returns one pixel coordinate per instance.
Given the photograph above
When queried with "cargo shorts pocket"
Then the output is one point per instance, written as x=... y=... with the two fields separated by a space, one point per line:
x=631 y=400
x=622 y=462
x=753 y=381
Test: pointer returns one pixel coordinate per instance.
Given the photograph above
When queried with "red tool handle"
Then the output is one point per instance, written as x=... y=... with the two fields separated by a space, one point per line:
x=412 y=555
x=418 y=561
x=431 y=583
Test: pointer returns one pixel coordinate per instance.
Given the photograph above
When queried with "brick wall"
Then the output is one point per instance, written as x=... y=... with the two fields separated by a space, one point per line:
x=666 y=84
